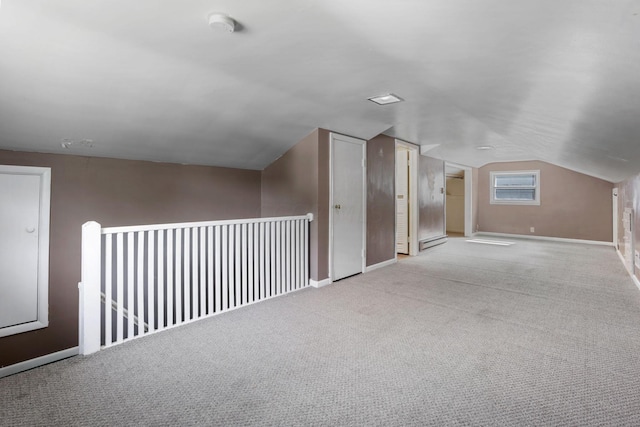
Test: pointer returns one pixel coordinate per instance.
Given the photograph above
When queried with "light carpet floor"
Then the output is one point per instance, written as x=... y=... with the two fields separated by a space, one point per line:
x=538 y=333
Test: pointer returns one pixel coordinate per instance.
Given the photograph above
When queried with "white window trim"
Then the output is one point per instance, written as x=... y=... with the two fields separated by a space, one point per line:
x=492 y=180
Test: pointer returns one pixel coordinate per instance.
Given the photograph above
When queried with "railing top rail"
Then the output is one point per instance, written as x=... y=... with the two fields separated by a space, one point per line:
x=150 y=227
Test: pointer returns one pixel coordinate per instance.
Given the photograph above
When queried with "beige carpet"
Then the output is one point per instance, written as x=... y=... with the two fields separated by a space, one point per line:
x=465 y=334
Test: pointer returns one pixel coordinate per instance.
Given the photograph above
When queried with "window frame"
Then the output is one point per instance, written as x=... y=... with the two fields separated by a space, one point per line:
x=493 y=187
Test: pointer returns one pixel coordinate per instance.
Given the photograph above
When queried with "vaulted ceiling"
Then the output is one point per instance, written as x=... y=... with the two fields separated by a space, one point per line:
x=534 y=79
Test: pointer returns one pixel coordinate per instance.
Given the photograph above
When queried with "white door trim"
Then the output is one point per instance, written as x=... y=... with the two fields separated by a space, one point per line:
x=414 y=151
x=42 y=320
x=468 y=197
x=614 y=195
x=332 y=137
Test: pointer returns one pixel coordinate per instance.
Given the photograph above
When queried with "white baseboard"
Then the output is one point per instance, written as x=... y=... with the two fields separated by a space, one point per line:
x=38 y=361
x=633 y=276
x=380 y=265
x=321 y=283
x=553 y=239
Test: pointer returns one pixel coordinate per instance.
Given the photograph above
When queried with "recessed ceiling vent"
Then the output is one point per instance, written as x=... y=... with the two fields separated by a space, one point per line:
x=76 y=143
x=222 y=23
x=386 y=99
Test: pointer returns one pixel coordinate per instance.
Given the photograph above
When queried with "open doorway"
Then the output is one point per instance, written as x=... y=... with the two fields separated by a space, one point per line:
x=458 y=203
x=406 y=198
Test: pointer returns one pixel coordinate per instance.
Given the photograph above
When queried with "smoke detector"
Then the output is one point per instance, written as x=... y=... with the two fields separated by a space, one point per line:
x=222 y=22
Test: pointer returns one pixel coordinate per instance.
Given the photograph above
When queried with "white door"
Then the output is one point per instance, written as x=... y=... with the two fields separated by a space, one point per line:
x=402 y=197
x=348 y=204
x=23 y=290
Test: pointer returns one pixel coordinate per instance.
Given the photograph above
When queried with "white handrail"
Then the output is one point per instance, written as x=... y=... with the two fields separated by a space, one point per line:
x=149 y=227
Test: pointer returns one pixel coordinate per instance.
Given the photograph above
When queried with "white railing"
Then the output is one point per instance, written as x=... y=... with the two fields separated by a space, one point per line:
x=142 y=279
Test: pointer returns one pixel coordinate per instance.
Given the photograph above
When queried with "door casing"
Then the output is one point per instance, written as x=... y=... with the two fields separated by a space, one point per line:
x=333 y=138
x=414 y=151
x=42 y=312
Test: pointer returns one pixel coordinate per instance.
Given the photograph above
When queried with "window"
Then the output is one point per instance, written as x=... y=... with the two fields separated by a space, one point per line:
x=515 y=188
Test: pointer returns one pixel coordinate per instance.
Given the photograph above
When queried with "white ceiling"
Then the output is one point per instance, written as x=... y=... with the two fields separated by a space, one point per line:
x=537 y=79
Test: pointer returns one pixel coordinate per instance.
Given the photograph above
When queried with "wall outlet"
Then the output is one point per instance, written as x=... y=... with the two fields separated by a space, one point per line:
x=532 y=229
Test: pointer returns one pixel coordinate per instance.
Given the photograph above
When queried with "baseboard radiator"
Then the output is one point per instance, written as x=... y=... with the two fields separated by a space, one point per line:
x=143 y=279
x=432 y=241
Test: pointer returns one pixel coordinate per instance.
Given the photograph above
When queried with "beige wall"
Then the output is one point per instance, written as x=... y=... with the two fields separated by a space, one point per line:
x=298 y=183
x=381 y=210
x=572 y=205
x=117 y=192
x=431 y=216
x=290 y=187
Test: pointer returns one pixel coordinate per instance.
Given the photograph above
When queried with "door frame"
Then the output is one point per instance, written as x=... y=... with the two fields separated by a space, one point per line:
x=414 y=151
x=42 y=319
x=614 y=197
x=332 y=137
x=468 y=197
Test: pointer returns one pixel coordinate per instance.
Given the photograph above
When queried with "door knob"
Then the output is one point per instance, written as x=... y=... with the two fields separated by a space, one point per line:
x=30 y=229
x=337 y=206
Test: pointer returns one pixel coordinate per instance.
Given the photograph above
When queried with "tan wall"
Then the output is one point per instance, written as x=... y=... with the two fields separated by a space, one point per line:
x=572 y=205
x=117 y=192
x=431 y=219
x=290 y=187
x=381 y=221
x=298 y=182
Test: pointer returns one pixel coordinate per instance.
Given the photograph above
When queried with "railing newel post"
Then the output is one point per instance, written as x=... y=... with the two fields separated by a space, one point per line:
x=89 y=309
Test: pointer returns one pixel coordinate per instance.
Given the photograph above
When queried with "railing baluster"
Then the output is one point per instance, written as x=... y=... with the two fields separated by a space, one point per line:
x=178 y=272
x=238 y=265
x=218 y=284
x=119 y=288
x=151 y=277
x=140 y=282
x=305 y=249
x=169 y=278
x=225 y=267
x=108 y=291
x=203 y=272
x=278 y=240
x=161 y=251
x=250 y=238
x=263 y=267
x=289 y=264
x=196 y=297
x=186 y=282
x=130 y=286
x=209 y=258
x=243 y=259
x=272 y=259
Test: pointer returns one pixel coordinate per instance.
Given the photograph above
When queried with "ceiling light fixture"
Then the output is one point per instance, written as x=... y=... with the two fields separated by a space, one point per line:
x=222 y=22
x=386 y=99
x=485 y=147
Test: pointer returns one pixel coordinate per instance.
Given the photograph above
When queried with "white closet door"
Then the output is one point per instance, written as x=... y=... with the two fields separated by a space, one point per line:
x=402 y=197
x=23 y=290
x=348 y=206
